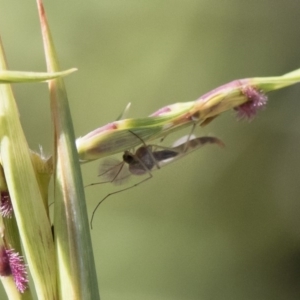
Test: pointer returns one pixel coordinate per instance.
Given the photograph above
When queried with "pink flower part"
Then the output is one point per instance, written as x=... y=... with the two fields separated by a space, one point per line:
x=105 y=128
x=6 y=208
x=18 y=270
x=257 y=100
x=223 y=89
x=5 y=269
x=161 y=111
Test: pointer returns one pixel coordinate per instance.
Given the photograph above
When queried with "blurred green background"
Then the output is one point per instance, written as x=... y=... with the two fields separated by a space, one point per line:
x=220 y=223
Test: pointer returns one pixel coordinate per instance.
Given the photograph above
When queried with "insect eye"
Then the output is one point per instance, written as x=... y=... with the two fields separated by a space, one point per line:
x=128 y=158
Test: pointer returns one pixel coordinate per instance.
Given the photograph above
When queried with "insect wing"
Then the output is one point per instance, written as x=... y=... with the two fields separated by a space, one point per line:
x=114 y=171
x=183 y=140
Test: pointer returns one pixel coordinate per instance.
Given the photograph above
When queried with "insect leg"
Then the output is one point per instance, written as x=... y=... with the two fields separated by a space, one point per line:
x=116 y=192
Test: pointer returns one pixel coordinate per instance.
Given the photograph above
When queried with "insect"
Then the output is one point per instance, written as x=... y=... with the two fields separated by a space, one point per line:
x=145 y=159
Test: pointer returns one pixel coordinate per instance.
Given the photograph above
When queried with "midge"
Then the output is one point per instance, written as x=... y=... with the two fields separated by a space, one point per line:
x=145 y=159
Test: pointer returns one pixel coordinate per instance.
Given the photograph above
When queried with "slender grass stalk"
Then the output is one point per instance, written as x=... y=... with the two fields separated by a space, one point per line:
x=76 y=272
x=29 y=210
x=19 y=77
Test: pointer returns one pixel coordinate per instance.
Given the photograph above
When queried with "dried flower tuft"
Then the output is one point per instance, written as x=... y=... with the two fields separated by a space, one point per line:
x=257 y=100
